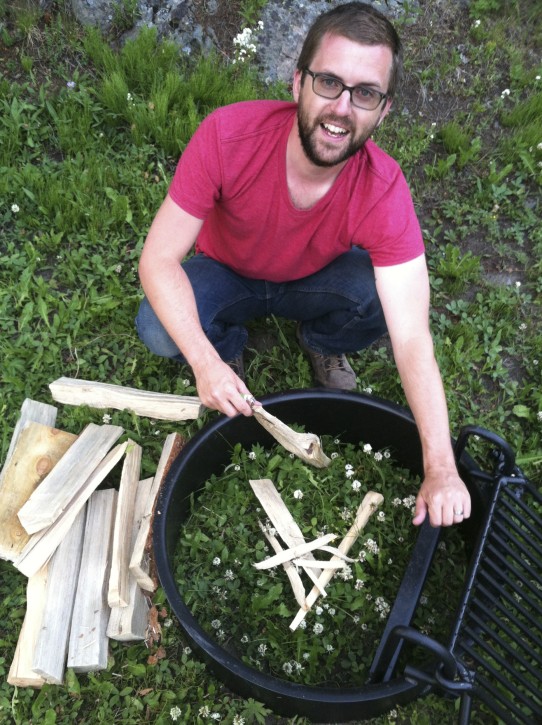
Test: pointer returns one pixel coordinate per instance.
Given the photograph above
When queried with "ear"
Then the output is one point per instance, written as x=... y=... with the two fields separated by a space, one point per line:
x=296 y=85
x=384 y=112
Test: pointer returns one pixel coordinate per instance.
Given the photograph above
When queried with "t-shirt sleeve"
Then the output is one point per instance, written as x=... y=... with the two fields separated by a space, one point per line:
x=197 y=182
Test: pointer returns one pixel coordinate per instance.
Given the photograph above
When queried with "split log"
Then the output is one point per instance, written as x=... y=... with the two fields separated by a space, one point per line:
x=88 y=645
x=295 y=552
x=131 y=622
x=289 y=568
x=160 y=406
x=21 y=673
x=371 y=501
x=140 y=559
x=42 y=545
x=118 y=595
x=31 y=412
x=49 y=659
x=306 y=446
x=57 y=489
x=39 y=448
x=281 y=518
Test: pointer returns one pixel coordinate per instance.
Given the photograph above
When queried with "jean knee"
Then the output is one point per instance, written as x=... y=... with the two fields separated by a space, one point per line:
x=152 y=334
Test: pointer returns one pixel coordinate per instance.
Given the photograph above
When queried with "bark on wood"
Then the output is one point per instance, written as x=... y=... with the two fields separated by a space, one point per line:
x=39 y=448
x=21 y=673
x=306 y=446
x=131 y=622
x=63 y=571
x=118 y=594
x=140 y=559
x=88 y=645
x=57 y=489
x=160 y=406
x=42 y=545
x=281 y=518
x=371 y=501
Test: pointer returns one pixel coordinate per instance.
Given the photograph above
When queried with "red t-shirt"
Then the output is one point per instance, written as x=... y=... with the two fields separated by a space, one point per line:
x=232 y=174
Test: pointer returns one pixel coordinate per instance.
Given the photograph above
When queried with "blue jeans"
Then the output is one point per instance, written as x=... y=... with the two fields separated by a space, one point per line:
x=338 y=307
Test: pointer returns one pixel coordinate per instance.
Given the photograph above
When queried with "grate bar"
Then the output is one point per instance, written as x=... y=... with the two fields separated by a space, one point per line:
x=516 y=621
x=528 y=513
x=502 y=577
x=506 y=566
x=535 y=556
x=502 y=706
x=514 y=653
x=509 y=685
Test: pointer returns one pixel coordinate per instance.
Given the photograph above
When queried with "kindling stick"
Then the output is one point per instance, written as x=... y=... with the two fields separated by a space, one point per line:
x=370 y=503
x=289 y=568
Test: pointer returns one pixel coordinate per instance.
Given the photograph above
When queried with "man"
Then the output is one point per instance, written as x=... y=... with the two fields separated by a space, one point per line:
x=295 y=212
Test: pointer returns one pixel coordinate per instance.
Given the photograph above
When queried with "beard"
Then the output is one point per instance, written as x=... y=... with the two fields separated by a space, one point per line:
x=328 y=157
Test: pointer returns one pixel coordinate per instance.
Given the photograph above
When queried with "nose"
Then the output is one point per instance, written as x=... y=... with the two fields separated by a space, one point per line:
x=343 y=102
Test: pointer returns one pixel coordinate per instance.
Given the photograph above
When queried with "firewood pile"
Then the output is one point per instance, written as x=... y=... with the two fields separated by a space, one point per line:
x=85 y=551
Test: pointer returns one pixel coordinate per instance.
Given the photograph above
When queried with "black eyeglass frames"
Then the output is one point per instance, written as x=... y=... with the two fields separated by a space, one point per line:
x=330 y=87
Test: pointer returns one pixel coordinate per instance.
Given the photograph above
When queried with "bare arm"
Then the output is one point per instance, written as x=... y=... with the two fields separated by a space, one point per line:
x=404 y=293
x=172 y=235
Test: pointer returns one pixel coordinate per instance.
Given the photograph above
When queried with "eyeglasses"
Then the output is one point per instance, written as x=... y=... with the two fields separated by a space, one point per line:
x=331 y=87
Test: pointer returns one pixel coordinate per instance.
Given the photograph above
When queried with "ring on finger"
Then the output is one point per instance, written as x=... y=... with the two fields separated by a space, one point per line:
x=458 y=512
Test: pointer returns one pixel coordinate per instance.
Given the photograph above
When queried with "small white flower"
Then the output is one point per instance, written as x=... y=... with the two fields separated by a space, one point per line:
x=539 y=146
x=539 y=415
x=329 y=648
x=319 y=611
x=356 y=485
x=381 y=516
x=505 y=93
x=245 y=639
x=187 y=651
x=518 y=283
x=318 y=628
x=215 y=716
x=298 y=494
x=175 y=713
x=359 y=584
x=252 y=455
x=238 y=720
x=215 y=624
x=229 y=575
x=14 y=208
x=367 y=448
x=129 y=97
x=167 y=623
x=348 y=467
x=334 y=455
x=186 y=382
x=204 y=711
x=476 y=24
x=70 y=84
x=287 y=668
x=262 y=648
x=216 y=561
x=106 y=418
x=349 y=473
x=237 y=468
x=396 y=502
x=378 y=456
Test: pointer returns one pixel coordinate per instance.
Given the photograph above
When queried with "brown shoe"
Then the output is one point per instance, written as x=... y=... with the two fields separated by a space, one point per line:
x=237 y=366
x=331 y=371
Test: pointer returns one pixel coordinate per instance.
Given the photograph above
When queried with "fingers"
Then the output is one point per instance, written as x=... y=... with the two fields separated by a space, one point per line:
x=446 y=503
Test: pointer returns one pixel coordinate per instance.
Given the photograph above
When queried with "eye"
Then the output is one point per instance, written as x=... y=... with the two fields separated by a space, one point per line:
x=329 y=83
x=364 y=93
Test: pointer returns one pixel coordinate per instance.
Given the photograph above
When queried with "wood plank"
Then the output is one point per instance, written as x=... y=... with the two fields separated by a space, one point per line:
x=161 y=406
x=118 y=594
x=60 y=486
x=88 y=644
x=140 y=560
x=51 y=649
x=41 y=546
x=130 y=623
x=21 y=673
x=39 y=448
x=31 y=411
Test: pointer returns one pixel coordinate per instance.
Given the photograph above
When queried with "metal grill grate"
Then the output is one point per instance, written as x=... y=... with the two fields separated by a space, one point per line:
x=498 y=633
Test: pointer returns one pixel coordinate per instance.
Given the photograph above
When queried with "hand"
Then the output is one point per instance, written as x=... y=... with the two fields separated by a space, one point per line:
x=443 y=495
x=221 y=389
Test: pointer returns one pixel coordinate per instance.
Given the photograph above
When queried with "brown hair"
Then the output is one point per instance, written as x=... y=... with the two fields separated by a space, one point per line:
x=361 y=23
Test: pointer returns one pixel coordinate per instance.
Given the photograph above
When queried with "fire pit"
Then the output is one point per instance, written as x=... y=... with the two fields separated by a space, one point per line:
x=358 y=417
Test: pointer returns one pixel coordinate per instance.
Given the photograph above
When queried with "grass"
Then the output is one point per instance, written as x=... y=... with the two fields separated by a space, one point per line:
x=89 y=138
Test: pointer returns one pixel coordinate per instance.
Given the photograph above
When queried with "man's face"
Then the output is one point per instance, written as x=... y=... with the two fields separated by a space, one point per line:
x=331 y=131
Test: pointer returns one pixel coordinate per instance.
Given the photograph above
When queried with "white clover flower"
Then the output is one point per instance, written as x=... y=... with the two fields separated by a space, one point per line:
x=348 y=467
x=70 y=84
x=167 y=623
x=221 y=635
x=15 y=208
x=368 y=390
x=336 y=441
x=215 y=716
x=318 y=611
x=237 y=468
x=367 y=448
x=118 y=268
x=359 y=584
x=387 y=454
x=378 y=456
x=229 y=575
x=334 y=455
x=106 y=418
x=204 y=711
x=175 y=713
x=396 y=502
x=518 y=283
x=245 y=639
x=187 y=651
x=329 y=648
x=505 y=93
x=262 y=649
x=356 y=485
x=372 y=546
x=476 y=24
x=287 y=668
x=539 y=415
x=346 y=573
x=318 y=628
x=252 y=455
x=381 y=516
x=539 y=146
x=349 y=473
x=129 y=97
x=331 y=611
x=303 y=624
x=186 y=382
x=298 y=494
x=215 y=624
x=238 y=720
x=216 y=561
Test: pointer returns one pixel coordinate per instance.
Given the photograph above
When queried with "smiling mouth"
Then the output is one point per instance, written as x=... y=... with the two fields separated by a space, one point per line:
x=334 y=131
